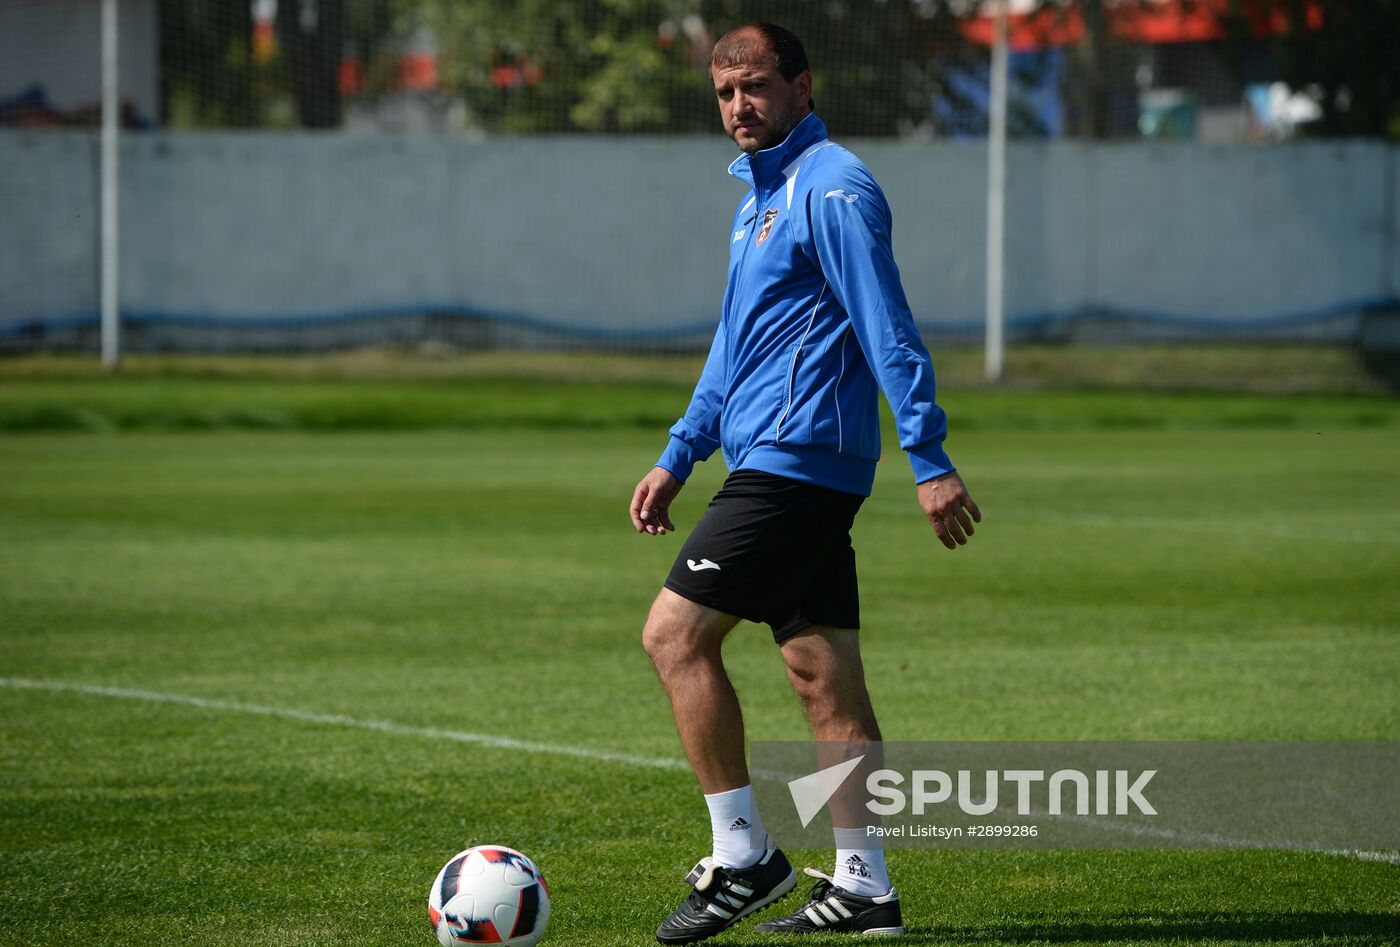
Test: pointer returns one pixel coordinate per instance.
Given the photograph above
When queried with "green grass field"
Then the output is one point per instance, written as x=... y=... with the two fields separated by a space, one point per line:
x=334 y=572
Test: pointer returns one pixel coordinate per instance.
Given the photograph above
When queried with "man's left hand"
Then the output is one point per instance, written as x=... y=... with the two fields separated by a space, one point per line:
x=949 y=508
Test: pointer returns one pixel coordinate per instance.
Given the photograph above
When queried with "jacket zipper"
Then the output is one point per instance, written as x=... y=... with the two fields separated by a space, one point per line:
x=792 y=369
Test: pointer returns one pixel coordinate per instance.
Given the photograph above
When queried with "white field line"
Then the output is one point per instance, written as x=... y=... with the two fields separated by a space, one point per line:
x=527 y=746
x=1211 y=839
x=336 y=720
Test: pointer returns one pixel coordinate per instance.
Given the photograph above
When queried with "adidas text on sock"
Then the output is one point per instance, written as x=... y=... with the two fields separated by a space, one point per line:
x=738 y=833
x=859 y=869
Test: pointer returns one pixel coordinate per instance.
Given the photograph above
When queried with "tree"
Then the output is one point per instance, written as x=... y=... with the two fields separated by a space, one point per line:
x=312 y=34
x=557 y=65
x=639 y=65
x=206 y=64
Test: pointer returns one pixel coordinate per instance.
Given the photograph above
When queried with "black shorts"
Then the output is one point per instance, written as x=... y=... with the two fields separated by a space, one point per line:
x=776 y=551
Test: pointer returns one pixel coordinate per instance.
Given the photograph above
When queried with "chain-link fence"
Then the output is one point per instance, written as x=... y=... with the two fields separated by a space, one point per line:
x=1205 y=176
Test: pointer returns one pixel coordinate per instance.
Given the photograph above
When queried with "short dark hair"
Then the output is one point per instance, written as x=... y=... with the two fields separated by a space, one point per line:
x=742 y=43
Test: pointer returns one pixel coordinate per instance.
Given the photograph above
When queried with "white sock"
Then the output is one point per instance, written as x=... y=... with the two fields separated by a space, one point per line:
x=736 y=827
x=860 y=870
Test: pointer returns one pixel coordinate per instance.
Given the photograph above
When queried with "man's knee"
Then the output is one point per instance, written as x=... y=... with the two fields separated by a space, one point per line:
x=679 y=631
x=825 y=669
x=822 y=698
x=659 y=638
x=822 y=659
x=809 y=686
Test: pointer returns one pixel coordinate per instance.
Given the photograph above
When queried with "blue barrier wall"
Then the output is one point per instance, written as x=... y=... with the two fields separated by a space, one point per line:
x=625 y=239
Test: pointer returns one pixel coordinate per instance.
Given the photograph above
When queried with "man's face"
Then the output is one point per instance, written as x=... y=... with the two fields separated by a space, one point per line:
x=759 y=107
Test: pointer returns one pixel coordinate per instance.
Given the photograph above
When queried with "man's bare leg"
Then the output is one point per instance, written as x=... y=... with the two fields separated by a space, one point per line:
x=683 y=640
x=744 y=874
x=824 y=666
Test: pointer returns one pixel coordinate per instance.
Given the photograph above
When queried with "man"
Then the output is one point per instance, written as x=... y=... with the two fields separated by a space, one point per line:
x=814 y=317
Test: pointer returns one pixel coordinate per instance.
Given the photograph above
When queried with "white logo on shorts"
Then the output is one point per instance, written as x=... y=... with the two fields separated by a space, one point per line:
x=702 y=565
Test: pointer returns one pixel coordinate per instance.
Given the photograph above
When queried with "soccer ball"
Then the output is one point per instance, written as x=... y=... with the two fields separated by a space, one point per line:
x=489 y=894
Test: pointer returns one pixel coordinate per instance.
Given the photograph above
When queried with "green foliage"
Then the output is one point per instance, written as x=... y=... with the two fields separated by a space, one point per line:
x=639 y=65
x=589 y=65
x=621 y=94
x=571 y=65
x=206 y=64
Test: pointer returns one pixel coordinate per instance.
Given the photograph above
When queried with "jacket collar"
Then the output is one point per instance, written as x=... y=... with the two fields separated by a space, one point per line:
x=765 y=170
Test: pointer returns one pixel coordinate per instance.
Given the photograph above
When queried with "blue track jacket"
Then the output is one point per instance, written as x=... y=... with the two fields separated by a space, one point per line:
x=813 y=316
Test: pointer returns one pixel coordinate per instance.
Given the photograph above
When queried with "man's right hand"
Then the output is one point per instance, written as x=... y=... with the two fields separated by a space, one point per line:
x=651 y=502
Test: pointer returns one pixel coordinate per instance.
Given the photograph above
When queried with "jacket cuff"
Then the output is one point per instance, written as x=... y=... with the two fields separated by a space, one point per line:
x=679 y=458
x=929 y=461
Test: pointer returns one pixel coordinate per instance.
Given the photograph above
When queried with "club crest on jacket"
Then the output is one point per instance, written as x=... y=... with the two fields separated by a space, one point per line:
x=769 y=215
